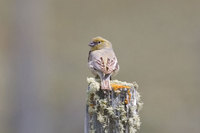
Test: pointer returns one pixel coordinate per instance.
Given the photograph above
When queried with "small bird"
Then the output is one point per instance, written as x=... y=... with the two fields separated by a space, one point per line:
x=102 y=61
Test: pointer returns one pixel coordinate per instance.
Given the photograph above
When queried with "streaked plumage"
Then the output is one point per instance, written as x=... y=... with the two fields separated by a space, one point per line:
x=102 y=61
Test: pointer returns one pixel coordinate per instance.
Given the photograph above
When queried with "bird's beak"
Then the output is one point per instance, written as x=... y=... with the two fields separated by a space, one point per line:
x=91 y=44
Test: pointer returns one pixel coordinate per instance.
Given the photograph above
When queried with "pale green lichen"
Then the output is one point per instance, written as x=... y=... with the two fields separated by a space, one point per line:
x=123 y=113
x=121 y=127
x=108 y=112
x=100 y=118
x=111 y=113
x=92 y=131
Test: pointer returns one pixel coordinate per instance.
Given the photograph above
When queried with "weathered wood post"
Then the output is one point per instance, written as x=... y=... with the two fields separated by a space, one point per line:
x=114 y=111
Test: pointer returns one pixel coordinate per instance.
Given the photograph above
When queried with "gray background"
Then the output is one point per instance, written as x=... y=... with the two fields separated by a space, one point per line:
x=43 y=61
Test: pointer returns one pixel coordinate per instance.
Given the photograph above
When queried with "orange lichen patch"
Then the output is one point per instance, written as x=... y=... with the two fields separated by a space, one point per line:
x=126 y=101
x=117 y=87
x=129 y=95
x=91 y=99
x=92 y=105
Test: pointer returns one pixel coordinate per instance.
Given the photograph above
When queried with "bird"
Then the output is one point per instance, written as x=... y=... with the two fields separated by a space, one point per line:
x=102 y=61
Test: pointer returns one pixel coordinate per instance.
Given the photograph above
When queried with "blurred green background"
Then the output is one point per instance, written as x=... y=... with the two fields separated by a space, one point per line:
x=43 y=61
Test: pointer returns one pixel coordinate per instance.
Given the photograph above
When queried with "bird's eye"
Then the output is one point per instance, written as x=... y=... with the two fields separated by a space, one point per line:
x=99 y=42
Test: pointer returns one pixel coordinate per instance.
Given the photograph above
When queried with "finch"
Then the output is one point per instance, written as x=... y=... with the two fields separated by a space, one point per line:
x=102 y=61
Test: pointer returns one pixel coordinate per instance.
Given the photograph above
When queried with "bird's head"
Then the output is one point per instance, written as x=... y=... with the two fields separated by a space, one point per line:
x=99 y=43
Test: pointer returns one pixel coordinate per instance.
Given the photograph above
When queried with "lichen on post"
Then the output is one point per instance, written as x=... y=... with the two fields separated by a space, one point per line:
x=112 y=111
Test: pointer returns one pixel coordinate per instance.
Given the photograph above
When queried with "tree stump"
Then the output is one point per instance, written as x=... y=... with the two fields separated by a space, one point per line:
x=112 y=111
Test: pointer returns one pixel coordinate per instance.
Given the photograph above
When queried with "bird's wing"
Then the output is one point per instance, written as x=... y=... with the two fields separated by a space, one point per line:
x=103 y=61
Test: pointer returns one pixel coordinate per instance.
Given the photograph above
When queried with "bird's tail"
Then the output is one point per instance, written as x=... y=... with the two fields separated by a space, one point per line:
x=105 y=83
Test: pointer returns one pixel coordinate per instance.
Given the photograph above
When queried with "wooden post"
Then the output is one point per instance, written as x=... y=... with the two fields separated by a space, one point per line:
x=112 y=111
